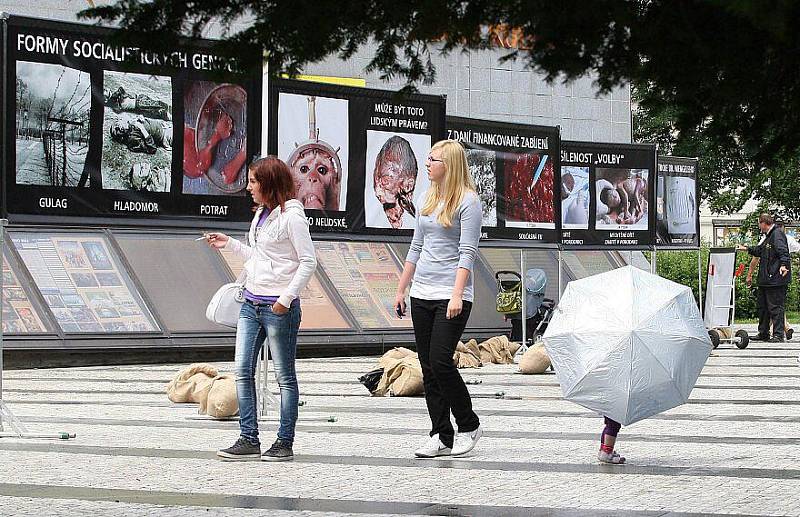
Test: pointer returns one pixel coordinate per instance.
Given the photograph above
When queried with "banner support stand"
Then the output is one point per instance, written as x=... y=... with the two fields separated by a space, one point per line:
x=268 y=401
x=700 y=280
x=524 y=295
x=7 y=418
x=654 y=262
x=560 y=274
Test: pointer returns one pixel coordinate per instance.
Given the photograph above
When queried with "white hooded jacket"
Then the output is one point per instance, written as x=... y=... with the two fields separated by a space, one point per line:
x=280 y=259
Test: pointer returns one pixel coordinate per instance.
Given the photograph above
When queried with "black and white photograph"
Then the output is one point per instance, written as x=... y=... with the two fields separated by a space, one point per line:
x=482 y=167
x=313 y=139
x=137 y=132
x=52 y=125
x=397 y=179
x=214 y=139
x=97 y=255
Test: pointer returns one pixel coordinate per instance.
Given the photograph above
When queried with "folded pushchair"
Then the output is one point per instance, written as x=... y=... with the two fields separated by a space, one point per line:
x=538 y=309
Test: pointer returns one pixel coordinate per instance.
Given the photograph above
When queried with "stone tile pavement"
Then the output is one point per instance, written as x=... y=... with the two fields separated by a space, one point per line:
x=732 y=450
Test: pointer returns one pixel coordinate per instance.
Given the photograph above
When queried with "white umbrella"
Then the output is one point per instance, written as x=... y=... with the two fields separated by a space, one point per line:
x=627 y=344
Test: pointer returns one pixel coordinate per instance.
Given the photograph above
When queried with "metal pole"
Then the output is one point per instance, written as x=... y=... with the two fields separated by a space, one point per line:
x=654 y=262
x=700 y=281
x=560 y=275
x=2 y=303
x=524 y=295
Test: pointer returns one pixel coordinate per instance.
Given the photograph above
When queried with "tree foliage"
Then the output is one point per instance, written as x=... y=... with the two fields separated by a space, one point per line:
x=728 y=69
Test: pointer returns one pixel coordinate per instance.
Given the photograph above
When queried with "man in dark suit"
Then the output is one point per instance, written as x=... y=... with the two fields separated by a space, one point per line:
x=774 y=274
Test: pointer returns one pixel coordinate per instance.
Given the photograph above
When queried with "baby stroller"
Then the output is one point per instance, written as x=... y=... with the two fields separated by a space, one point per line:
x=538 y=309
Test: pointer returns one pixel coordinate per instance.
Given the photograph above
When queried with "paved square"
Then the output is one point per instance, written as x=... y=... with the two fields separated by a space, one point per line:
x=733 y=449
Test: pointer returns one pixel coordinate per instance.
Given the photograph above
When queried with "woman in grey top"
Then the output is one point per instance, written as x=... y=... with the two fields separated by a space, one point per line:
x=440 y=261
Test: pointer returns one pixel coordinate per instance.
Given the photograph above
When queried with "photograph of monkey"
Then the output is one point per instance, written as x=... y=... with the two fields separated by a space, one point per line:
x=622 y=199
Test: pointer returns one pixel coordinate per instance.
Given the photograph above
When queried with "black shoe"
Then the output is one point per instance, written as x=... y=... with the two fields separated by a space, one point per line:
x=280 y=451
x=242 y=450
x=759 y=337
x=789 y=334
x=775 y=339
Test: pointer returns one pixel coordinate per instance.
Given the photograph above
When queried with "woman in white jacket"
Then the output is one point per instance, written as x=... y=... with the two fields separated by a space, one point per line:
x=280 y=261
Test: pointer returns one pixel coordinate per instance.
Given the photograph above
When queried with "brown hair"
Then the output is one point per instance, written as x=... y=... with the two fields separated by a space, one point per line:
x=274 y=181
x=766 y=219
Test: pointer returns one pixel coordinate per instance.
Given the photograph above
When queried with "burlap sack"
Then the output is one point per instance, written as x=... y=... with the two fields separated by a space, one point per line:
x=401 y=377
x=534 y=360
x=464 y=357
x=221 y=401
x=192 y=383
x=394 y=354
x=498 y=350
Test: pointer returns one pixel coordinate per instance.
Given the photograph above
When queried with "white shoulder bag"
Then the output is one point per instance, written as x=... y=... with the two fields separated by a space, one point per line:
x=226 y=303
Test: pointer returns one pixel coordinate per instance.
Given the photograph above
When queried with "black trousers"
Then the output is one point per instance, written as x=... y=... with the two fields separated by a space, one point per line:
x=771 y=305
x=445 y=391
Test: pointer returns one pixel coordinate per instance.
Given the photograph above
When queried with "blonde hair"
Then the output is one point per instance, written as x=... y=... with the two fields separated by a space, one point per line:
x=457 y=182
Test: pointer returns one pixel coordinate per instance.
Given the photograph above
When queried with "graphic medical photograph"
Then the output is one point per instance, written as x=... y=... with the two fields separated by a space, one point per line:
x=214 y=139
x=575 y=197
x=137 y=132
x=313 y=139
x=397 y=179
x=621 y=199
x=53 y=103
x=529 y=190
x=482 y=167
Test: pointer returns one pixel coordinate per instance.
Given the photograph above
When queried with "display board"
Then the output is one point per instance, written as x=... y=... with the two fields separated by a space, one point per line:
x=319 y=310
x=95 y=129
x=607 y=194
x=357 y=155
x=83 y=282
x=366 y=276
x=678 y=203
x=19 y=314
x=512 y=166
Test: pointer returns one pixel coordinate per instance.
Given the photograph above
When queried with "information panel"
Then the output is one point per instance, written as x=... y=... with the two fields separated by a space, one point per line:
x=95 y=129
x=607 y=194
x=366 y=277
x=19 y=315
x=357 y=155
x=83 y=283
x=512 y=166
x=677 y=203
x=319 y=311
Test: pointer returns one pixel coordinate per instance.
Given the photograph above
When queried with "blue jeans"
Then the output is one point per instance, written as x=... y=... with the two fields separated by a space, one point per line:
x=258 y=323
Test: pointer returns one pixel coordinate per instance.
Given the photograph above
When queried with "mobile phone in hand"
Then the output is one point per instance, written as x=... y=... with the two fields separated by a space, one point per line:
x=399 y=311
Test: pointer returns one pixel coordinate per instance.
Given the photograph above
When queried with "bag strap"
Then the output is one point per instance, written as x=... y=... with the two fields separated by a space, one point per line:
x=240 y=280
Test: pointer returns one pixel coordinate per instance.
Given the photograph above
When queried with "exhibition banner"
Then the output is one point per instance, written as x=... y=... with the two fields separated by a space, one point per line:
x=607 y=195
x=513 y=168
x=96 y=129
x=357 y=155
x=677 y=203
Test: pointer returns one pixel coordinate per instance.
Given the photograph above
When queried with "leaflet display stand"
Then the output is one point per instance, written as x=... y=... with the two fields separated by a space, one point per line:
x=7 y=418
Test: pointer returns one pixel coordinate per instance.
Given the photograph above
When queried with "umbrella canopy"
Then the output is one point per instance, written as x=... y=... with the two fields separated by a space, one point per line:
x=627 y=344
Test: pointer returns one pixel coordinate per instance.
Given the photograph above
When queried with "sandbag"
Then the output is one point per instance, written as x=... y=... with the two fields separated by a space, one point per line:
x=192 y=383
x=401 y=377
x=498 y=350
x=221 y=401
x=464 y=357
x=534 y=360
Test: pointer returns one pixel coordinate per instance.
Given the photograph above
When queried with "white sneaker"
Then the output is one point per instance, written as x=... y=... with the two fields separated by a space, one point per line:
x=432 y=448
x=466 y=442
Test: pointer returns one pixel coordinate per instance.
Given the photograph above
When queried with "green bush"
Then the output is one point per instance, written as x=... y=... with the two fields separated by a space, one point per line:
x=681 y=267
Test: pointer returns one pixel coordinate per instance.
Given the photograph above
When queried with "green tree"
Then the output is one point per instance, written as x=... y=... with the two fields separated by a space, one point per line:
x=727 y=69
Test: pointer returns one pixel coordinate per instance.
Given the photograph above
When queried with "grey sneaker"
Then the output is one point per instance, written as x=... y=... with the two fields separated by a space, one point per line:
x=280 y=451
x=242 y=450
